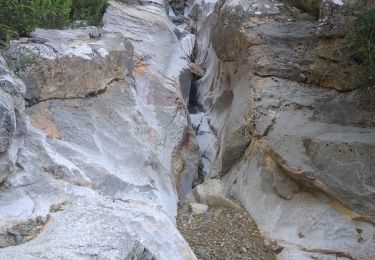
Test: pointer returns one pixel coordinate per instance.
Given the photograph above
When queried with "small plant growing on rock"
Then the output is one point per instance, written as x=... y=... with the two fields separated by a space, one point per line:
x=142 y=60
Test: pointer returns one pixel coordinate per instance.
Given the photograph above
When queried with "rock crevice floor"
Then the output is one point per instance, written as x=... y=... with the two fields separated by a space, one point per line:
x=222 y=233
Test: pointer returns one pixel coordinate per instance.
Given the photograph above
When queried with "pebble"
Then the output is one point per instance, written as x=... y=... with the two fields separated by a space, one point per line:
x=198 y=208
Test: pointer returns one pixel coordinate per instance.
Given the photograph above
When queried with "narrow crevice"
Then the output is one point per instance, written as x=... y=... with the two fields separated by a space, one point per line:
x=193 y=106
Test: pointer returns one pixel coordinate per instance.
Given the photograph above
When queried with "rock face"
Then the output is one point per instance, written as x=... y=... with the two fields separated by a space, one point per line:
x=49 y=69
x=93 y=165
x=12 y=119
x=109 y=148
x=299 y=157
x=8 y=121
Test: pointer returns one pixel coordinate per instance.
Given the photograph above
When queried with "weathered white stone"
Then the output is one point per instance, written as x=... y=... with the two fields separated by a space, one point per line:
x=188 y=43
x=12 y=119
x=103 y=167
x=158 y=74
x=213 y=193
x=298 y=157
x=207 y=141
x=307 y=222
x=198 y=208
x=196 y=120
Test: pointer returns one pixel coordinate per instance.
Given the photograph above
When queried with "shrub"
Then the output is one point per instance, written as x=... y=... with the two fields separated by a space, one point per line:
x=20 y=17
x=16 y=19
x=52 y=13
x=91 y=11
x=362 y=43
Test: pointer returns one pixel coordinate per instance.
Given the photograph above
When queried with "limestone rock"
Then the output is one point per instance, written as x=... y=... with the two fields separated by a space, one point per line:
x=212 y=193
x=203 y=85
x=287 y=146
x=73 y=68
x=196 y=69
x=110 y=148
x=198 y=208
x=313 y=225
x=169 y=89
x=188 y=43
x=99 y=157
x=12 y=119
x=8 y=121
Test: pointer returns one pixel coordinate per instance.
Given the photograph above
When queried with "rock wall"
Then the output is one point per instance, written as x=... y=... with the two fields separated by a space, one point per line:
x=109 y=146
x=296 y=154
x=13 y=119
x=93 y=164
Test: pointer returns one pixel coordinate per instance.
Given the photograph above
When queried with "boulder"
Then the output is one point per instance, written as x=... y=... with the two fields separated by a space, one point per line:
x=198 y=208
x=77 y=66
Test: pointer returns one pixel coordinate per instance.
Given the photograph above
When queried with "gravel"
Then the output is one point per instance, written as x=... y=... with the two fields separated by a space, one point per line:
x=222 y=233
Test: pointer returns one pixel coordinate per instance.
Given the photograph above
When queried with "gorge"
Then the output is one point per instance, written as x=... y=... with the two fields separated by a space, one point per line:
x=243 y=104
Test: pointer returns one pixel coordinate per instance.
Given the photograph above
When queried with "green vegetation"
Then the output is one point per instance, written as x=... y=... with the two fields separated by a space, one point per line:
x=52 y=13
x=310 y=6
x=19 y=17
x=91 y=11
x=16 y=19
x=362 y=43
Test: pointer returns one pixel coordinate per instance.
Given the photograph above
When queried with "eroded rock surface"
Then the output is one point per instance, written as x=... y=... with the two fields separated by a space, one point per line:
x=48 y=63
x=296 y=154
x=109 y=149
x=13 y=124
